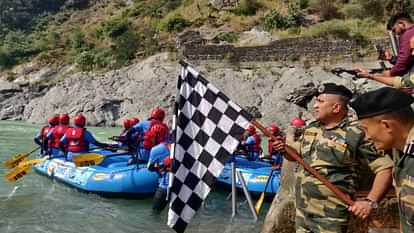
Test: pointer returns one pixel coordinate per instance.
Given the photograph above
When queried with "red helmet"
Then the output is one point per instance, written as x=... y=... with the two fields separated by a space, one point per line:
x=64 y=119
x=160 y=132
x=134 y=121
x=274 y=129
x=54 y=120
x=251 y=129
x=158 y=114
x=297 y=122
x=79 y=120
x=127 y=123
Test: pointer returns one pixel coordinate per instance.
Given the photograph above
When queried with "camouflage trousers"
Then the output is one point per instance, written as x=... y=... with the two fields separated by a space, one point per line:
x=318 y=210
x=404 y=178
x=309 y=223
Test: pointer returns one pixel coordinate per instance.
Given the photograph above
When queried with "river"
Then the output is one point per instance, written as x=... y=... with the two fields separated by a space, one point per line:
x=38 y=204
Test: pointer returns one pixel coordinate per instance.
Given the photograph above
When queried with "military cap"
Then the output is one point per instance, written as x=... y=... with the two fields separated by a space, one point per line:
x=332 y=88
x=380 y=101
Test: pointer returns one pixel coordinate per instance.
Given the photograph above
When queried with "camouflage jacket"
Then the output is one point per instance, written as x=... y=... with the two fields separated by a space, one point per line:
x=404 y=83
x=336 y=153
x=404 y=182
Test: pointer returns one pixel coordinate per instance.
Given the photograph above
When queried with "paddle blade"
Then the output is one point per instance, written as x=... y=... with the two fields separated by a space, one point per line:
x=32 y=162
x=15 y=160
x=259 y=203
x=89 y=159
x=17 y=173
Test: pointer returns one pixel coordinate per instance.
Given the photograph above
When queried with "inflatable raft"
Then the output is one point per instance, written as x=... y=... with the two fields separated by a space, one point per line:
x=255 y=174
x=112 y=178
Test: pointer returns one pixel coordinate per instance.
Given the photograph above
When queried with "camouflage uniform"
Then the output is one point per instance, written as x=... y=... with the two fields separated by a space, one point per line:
x=335 y=153
x=405 y=82
x=404 y=182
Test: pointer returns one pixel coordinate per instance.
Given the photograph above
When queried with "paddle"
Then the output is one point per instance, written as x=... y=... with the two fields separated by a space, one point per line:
x=259 y=202
x=22 y=169
x=90 y=159
x=16 y=159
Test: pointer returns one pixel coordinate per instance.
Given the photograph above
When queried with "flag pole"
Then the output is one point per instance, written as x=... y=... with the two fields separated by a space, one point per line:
x=233 y=188
x=247 y=195
x=294 y=155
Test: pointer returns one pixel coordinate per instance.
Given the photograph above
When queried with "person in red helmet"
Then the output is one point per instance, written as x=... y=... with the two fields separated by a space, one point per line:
x=297 y=125
x=252 y=142
x=159 y=161
x=276 y=156
x=138 y=131
x=41 y=137
x=78 y=138
x=158 y=114
x=56 y=134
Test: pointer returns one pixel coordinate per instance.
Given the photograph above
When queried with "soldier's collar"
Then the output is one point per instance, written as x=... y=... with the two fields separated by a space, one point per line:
x=341 y=124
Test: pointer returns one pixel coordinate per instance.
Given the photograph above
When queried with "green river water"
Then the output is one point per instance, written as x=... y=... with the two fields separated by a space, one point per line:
x=38 y=204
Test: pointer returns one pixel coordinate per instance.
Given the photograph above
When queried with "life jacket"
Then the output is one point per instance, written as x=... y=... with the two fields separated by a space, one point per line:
x=58 y=133
x=76 y=140
x=256 y=147
x=270 y=146
x=43 y=134
x=166 y=162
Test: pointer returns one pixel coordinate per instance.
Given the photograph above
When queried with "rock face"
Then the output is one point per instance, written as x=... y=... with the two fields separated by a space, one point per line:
x=266 y=89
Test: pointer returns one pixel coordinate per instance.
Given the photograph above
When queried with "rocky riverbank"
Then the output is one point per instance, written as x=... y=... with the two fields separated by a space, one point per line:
x=267 y=88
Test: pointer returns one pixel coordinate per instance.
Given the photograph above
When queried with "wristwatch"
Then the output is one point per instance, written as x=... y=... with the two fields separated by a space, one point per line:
x=373 y=204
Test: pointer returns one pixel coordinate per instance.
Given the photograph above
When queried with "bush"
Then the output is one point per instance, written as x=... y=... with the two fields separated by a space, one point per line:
x=157 y=8
x=85 y=60
x=247 y=7
x=116 y=27
x=362 y=9
x=126 y=47
x=327 y=9
x=229 y=37
x=334 y=28
x=275 y=20
x=175 y=24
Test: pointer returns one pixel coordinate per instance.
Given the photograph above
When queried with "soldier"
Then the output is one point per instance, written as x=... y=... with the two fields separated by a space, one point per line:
x=335 y=148
x=387 y=118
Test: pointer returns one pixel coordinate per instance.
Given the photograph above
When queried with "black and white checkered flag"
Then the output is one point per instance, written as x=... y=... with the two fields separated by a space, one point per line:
x=208 y=128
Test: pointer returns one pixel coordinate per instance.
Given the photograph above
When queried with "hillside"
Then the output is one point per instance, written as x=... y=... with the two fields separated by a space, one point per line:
x=109 y=34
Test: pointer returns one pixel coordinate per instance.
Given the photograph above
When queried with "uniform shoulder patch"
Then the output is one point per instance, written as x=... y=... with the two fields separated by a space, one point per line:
x=409 y=148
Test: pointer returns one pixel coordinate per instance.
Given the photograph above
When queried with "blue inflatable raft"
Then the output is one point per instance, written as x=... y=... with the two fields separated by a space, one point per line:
x=255 y=174
x=112 y=178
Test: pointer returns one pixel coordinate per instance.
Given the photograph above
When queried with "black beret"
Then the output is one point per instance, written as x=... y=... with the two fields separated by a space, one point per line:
x=380 y=101
x=332 y=88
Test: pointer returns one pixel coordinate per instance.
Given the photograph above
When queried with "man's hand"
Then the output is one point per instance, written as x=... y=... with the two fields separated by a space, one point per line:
x=386 y=56
x=280 y=144
x=363 y=73
x=361 y=209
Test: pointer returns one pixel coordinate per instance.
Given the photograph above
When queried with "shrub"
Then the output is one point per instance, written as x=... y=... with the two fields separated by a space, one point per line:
x=175 y=24
x=275 y=20
x=126 y=47
x=246 y=7
x=229 y=37
x=116 y=27
x=334 y=28
x=361 y=9
x=85 y=60
x=327 y=9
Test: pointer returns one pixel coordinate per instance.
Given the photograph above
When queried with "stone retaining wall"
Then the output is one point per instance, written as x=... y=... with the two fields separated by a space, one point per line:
x=293 y=49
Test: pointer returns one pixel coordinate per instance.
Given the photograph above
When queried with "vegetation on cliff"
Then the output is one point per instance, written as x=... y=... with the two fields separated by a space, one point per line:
x=108 y=34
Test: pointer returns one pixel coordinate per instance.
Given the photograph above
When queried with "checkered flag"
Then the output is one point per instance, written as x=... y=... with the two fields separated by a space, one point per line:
x=208 y=128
